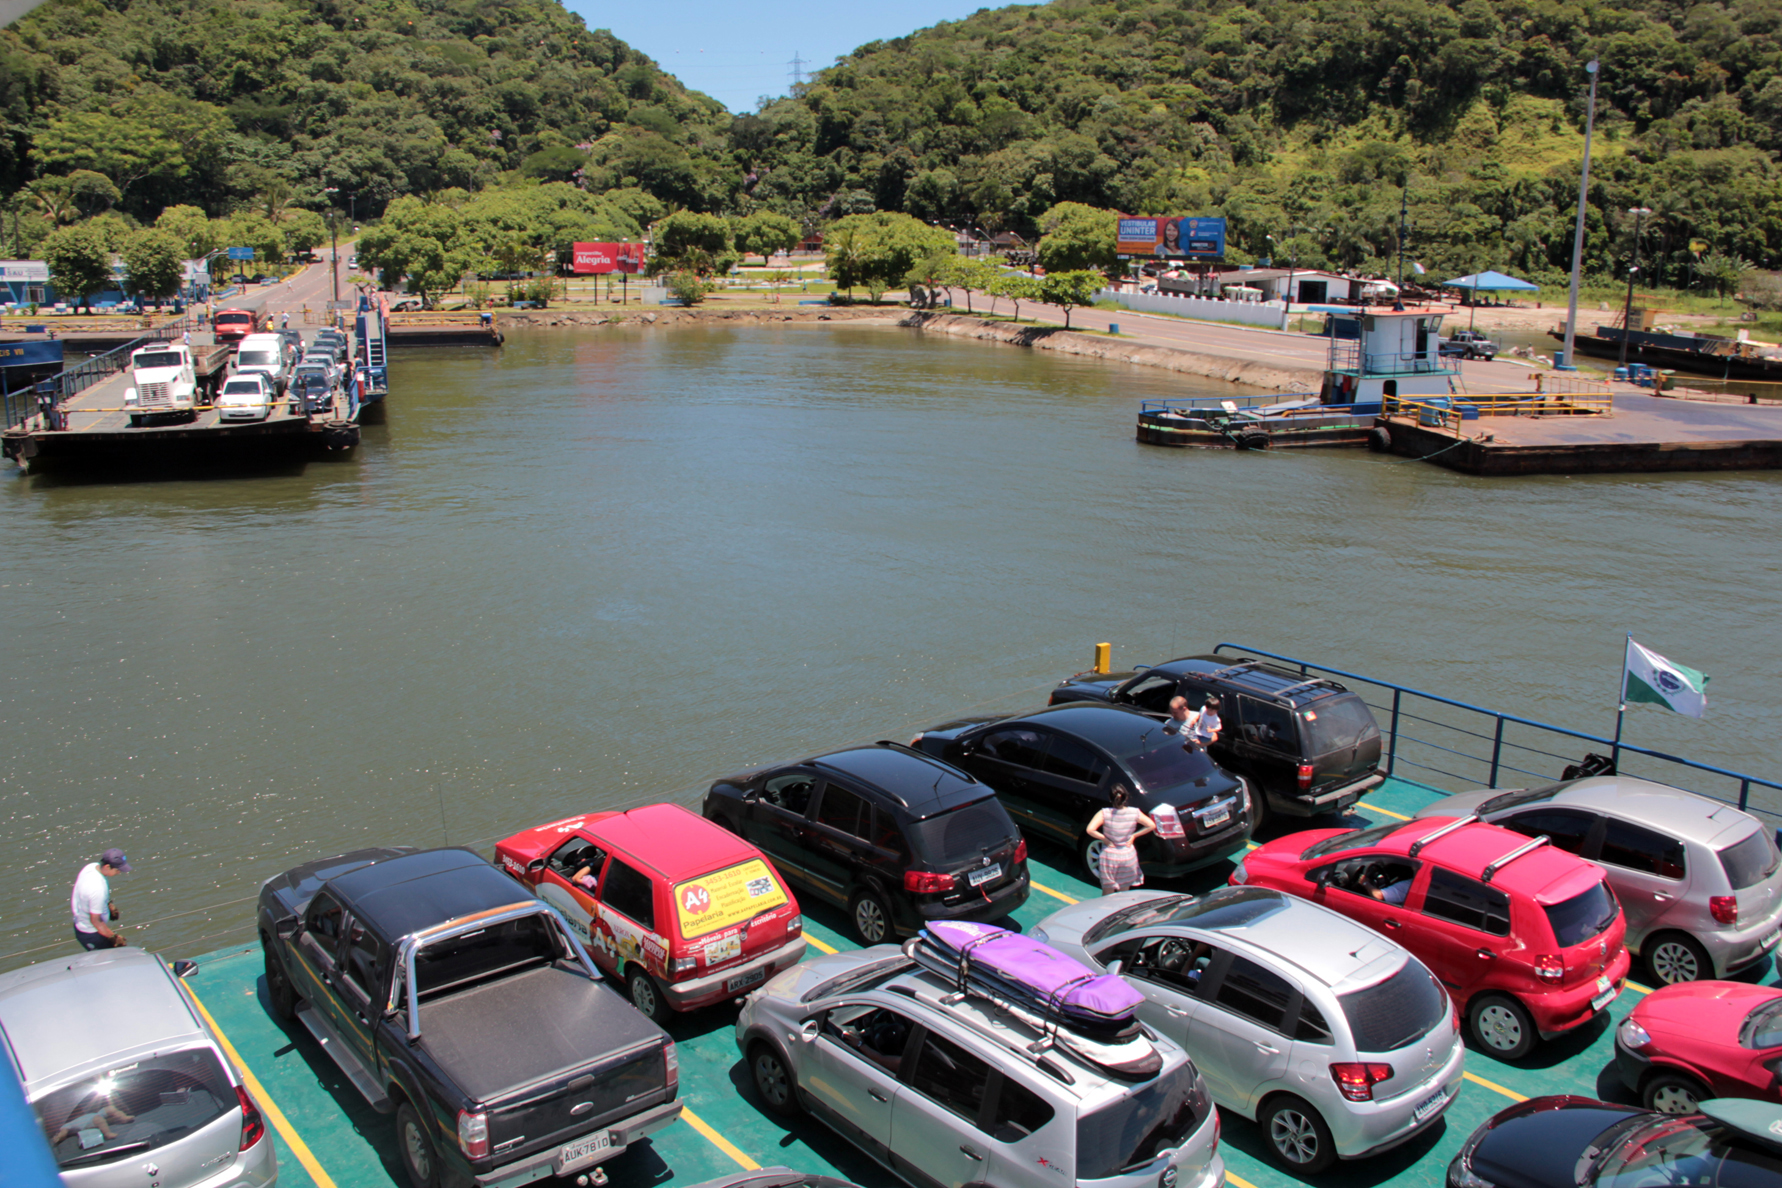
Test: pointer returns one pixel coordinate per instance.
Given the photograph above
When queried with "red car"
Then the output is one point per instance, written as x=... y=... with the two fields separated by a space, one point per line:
x=1694 y=1041
x=681 y=910
x=233 y=325
x=1526 y=937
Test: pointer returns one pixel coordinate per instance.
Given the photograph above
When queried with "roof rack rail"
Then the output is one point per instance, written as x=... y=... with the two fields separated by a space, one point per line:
x=1037 y=1058
x=1491 y=868
x=1444 y=831
x=1234 y=669
x=1290 y=690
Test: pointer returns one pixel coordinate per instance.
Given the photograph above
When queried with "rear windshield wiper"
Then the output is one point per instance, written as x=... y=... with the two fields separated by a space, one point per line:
x=102 y=1153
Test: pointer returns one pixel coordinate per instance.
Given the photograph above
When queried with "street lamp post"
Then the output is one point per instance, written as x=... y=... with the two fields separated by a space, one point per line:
x=1639 y=213
x=333 y=244
x=1571 y=312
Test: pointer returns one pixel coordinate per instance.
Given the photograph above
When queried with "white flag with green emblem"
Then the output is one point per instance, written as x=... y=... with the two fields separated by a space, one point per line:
x=1652 y=678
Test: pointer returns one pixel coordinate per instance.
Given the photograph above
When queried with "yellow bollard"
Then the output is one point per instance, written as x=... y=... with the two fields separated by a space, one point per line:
x=1102 y=664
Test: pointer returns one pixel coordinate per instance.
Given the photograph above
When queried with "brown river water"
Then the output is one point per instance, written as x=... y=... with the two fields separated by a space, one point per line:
x=602 y=568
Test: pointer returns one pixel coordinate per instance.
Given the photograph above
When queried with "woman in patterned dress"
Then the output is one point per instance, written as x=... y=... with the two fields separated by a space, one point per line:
x=1117 y=827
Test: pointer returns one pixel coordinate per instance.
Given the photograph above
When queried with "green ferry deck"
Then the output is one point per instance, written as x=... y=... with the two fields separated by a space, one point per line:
x=329 y=1138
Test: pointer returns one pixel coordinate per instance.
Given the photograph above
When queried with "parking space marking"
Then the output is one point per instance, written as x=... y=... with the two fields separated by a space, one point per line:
x=1052 y=893
x=1495 y=1088
x=279 y=1121
x=1637 y=988
x=817 y=944
x=1374 y=808
x=1233 y=1178
x=717 y=1140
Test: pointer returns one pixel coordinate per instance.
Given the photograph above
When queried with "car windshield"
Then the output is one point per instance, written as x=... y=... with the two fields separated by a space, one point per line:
x=1749 y=862
x=1133 y=1130
x=237 y=388
x=1359 y=839
x=148 y=1103
x=968 y=831
x=1337 y=722
x=256 y=359
x=1167 y=765
x=1583 y=916
x=1509 y=800
x=1228 y=907
x=157 y=359
x=1692 y=1150
x=1401 y=1010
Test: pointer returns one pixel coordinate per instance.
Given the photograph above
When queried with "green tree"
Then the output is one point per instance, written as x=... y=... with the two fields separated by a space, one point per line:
x=304 y=231
x=1016 y=286
x=879 y=249
x=1723 y=271
x=763 y=233
x=154 y=264
x=196 y=233
x=1068 y=290
x=1075 y=236
x=969 y=273
x=687 y=241
x=253 y=230
x=687 y=286
x=79 y=259
x=424 y=242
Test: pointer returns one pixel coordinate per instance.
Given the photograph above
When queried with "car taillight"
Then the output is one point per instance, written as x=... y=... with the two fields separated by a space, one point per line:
x=795 y=923
x=1305 y=776
x=253 y=1127
x=1021 y=850
x=683 y=964
x=473 y=1134
x=671 y=1068
x=1725 y=908
x=1357 y=1081
x=1550 y=966
x=927 y=881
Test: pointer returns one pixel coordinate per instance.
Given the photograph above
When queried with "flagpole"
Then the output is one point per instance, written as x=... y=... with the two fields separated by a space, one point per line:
x=1621 y=713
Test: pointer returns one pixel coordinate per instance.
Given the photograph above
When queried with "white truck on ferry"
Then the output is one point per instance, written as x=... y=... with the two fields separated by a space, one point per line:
x=164 y=383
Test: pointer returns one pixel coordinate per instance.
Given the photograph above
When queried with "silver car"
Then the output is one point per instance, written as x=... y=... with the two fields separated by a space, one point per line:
x=1338 y=1041
x=1699 y=880
x=144 y=1084
x=950 y=1090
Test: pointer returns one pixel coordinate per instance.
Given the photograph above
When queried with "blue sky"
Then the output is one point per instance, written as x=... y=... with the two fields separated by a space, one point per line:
x=737 y=53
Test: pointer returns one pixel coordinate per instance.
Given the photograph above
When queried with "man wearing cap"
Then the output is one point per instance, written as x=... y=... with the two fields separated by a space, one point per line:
x=93 y=912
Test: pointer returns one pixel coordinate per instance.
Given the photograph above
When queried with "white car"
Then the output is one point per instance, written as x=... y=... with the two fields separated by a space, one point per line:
x=246 y=397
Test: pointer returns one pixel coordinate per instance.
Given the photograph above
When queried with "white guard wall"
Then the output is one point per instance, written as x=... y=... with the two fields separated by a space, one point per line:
x=1248 y=313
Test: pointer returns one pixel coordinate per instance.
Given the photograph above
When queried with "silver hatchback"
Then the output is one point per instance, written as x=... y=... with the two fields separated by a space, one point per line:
x=1699 y=880
x=944 y=1089
x=1338 y=1041
x=124 y=1075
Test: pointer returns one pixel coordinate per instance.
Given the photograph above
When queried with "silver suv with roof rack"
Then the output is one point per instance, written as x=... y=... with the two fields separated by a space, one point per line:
x=947 y=1087
x=1699 y=880
x=1338 y=1041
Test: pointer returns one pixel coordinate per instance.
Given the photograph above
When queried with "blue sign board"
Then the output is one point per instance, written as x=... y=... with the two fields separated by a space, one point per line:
x=30 y=354
x=241 y=253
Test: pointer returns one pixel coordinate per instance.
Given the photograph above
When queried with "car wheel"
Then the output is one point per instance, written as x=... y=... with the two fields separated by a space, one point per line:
x=1089 y=851
x=419 y=1159
x=1298 y=1139
x=1501 y=1026
x=647 y=996
x=773 y=1080
x=1673 y=1093
x=278 y=986
x=1674 y=957
x=870 y=917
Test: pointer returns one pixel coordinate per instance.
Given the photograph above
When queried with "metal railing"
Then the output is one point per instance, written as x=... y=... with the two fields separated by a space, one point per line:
x=28 y=402
x=1198 y=405
x=1346 y=355
x=1433 y=735
x=1450 y=411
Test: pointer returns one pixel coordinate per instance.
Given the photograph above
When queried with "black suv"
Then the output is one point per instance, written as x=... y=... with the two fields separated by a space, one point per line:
x=895 y=836
x=1310 y=744
x=1056 y=767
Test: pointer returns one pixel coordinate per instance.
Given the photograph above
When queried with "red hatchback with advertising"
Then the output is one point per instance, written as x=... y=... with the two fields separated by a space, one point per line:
x=1527 y=938
x=682 y=911
x=1694 y=1041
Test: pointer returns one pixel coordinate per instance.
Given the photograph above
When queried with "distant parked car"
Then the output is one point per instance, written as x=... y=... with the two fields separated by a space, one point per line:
x=1700 y=881
x=1468 y=344
x=1687 y=1043
x=245 y=398
x=310 y=391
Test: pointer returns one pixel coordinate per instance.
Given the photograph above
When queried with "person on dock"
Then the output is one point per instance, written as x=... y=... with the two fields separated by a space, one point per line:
x=1118 y=827
x=284 y=320
x=91 y=901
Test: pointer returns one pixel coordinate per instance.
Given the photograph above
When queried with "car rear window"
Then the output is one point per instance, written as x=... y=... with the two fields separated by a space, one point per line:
x=964 y=832
x=460 y=960
x=725 y=897
x=256 y=359
x=1583 y=916
x=1167 y=765
x=1135 y=1129
x=1401 y=1010
x=1749 y=862
x=165 y=1097
x=1338 y=722
x=240 y=388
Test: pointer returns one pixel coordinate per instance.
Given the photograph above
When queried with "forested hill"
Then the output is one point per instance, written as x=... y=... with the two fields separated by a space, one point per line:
x=1311 y=113
x=213 y=103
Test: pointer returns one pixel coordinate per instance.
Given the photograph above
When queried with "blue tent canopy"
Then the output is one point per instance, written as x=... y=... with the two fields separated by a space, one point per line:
x=1491 y=282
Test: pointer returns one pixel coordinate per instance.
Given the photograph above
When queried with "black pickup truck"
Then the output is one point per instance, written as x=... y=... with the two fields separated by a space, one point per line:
x=461 y=1004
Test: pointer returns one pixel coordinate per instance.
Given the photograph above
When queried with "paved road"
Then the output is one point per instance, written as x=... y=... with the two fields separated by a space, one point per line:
x=312 y=288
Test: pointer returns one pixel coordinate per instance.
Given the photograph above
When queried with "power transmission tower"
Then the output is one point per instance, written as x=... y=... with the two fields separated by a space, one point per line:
x=797 y=64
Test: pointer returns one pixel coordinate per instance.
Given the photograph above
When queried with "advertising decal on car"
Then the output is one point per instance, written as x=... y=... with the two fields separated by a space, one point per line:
x=726 y=897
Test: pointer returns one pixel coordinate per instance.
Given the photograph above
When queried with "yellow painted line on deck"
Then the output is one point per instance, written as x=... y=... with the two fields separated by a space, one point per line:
x=717 y=1140
x=1495 y=1088
x=1639 y=989
x=1052 y=893
x=264 y=1099
x=1374 y=808
x=1237 y=1180
x=814 y=942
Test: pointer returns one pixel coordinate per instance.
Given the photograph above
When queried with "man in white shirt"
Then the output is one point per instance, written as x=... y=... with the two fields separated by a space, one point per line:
x=91 y=901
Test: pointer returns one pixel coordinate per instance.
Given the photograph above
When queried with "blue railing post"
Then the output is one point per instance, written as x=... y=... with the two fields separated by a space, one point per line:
x=1497 y=747
x=1744 y=794
x=1392 y=751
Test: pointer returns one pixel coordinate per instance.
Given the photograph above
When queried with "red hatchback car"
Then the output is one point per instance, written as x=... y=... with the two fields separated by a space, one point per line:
x=683 y=911
x=1688 y=1043
x=1527 y=938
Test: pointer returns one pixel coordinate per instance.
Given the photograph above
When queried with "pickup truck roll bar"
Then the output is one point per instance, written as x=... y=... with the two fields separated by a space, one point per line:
x=411 y=945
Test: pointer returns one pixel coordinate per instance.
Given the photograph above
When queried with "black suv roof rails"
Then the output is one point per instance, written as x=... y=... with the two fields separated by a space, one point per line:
x=1491 y=868
x=1290 y=690
x=1233 y=669
x=1444 y=831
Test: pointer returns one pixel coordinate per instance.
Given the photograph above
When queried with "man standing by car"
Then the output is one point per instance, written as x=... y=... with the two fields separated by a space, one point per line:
x=91 y=901
x=1182 y=720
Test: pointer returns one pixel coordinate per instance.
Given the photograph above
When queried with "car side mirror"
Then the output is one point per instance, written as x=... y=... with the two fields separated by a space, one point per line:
x=808 y=1032
x=535 y=866
x=751 y=795
x=1115 y=966
x=184 y=969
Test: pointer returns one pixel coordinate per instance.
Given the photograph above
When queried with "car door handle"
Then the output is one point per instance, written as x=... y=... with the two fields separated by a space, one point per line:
x=967 y=1150
x=1272 y=1051
x=876 y=1095
x=1487 y=954
x=1390 y=922
x=1661 y=897
x=1176 y=1011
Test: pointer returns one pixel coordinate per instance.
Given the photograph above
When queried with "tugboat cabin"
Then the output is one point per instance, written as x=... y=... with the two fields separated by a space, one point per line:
x=1376 y=354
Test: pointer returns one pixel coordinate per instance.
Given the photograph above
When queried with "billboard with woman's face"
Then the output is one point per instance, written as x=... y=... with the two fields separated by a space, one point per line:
x=1178 y=238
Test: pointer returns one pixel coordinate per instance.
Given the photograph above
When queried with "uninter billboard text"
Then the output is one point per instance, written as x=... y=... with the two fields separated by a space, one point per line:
x=1180 y=238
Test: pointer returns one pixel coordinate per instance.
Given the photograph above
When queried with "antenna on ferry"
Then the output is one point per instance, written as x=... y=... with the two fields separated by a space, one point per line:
x=1404 y=199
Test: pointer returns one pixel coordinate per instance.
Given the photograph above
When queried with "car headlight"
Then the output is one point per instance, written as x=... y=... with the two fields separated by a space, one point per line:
x=1461 y=1176
x=1040 y=935
x=1244 y=791
x=1239 y=874
x=1632 y=1036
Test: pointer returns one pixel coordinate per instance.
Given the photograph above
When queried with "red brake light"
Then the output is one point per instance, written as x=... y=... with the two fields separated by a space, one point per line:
x=253 y=1127
x=1725 y=908
x=1357 y=1081
x=473 y=1134
x=671 y=1059
x=1021 y=850
x=1550 y=966
x=927 y=881
x=1305 y=776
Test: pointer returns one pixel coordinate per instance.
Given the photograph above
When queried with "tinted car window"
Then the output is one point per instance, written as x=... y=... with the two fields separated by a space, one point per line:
x=322 y=921
x=1151 y=691
x=1132 y=1130
x=364 y=957
x=1467 y=902
x=1566 y=828
x=1337 y=722
x=1020 y=746
x=1266 y=725
x=790 y=792
x=1074 y=761
x=1749 y=862
x=1018 y=1112
x=951 y=1076
x=1311 y=1026
x=964 y=832
x=1583 y=916
x=459 y=960
x=1401 y=1010
x=166 y=1096
x=630 y=893
x=1642 y=849
x=1255 y=993
x=844 y=810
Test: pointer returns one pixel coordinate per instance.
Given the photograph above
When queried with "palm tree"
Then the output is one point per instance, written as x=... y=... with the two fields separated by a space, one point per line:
x=275 y=200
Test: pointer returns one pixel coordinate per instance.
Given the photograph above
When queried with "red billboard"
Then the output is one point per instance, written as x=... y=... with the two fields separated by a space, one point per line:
x=601 y=258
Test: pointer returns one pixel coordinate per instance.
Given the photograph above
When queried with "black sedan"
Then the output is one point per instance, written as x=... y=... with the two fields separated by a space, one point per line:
x=1055 y=768
x=1574 y=1142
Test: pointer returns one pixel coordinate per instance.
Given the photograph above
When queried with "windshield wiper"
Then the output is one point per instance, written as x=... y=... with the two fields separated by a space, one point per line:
x=102 y=1153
